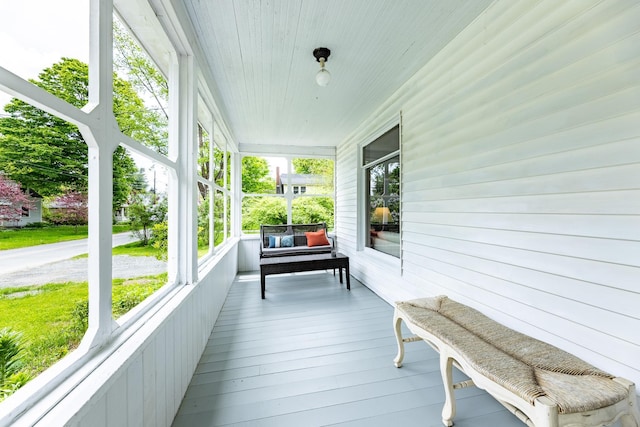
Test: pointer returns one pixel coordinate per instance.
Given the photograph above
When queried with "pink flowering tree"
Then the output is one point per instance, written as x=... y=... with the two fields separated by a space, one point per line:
x=70 y=209
x=12 y=200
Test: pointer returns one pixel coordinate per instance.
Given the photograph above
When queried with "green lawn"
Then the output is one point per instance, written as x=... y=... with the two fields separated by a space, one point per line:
x=22 y=237
x=50 y=317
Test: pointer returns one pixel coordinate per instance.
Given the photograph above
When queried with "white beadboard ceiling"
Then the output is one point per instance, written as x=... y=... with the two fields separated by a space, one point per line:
x=260 y=55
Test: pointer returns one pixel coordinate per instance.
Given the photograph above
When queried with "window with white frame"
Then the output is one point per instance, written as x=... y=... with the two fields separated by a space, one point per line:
x=72 y=147
x=281 y=190
x=381 y=164
x=214 y=189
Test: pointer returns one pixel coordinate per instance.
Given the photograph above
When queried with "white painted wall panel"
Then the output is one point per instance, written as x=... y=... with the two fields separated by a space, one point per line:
x=134 y=392
x=117 y=398
x=521 y=177
x=249 y=254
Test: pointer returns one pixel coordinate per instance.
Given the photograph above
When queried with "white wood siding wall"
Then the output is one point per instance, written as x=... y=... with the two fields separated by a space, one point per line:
x=521 y=177
x=143 y=383
x=249 y=254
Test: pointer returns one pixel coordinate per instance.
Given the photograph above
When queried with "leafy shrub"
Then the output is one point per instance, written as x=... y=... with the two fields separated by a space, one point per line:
x=70 y=208
x=10 y=361
x=263 y=210
x=145 y=211
x=128 y=298
x=308 y=210
x=80 y=316
x=160 y=233
x=13 y=383
x=36 y=225
x=10 y=351
x=51 y=347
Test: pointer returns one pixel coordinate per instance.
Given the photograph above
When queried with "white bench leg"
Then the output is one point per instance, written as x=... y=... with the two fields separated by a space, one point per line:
x=397 y=327
x=628 y=420
x=446 y=370
x=631 y=419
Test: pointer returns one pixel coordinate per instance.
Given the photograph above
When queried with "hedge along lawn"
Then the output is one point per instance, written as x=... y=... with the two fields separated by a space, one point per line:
x=44 y=315
x=13 y=238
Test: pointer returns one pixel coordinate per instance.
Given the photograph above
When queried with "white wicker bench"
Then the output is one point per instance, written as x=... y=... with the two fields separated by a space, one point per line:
x=541 y=384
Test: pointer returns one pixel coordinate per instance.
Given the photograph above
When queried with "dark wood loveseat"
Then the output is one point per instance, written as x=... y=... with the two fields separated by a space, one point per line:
x=296 y=235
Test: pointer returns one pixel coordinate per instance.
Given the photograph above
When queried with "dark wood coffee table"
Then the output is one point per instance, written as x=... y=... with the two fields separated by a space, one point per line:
x=298 y=263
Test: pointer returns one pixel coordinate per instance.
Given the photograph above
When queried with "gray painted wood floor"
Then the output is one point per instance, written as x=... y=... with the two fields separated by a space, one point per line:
x=314 y=354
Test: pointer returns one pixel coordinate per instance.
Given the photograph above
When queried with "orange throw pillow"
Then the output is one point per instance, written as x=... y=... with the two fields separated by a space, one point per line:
x=317 y=238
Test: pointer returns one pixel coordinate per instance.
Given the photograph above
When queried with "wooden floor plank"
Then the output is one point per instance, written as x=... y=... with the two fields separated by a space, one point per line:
x=314 y=354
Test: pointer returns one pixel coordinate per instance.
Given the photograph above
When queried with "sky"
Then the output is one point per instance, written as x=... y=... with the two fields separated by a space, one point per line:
x=35 y=34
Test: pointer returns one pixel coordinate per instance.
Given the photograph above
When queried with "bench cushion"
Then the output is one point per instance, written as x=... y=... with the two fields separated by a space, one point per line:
x=295 y=232
x=524 y=365
x=296 y=250
x=317 y=238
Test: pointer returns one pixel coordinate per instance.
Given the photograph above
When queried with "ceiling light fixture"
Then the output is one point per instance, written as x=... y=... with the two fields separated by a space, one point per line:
x=323 y=76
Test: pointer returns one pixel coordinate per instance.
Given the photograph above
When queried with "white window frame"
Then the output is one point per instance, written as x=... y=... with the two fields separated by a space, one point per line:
x=289 y=195
x=362 y=208
x=99 y=129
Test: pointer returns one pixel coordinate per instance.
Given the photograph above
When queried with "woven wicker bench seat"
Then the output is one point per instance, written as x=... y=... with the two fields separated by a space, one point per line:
x=539 y=383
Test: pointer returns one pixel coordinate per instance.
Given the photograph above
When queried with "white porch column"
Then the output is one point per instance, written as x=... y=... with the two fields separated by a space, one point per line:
x=236 y=194
x=101 y=143
x=183 y=214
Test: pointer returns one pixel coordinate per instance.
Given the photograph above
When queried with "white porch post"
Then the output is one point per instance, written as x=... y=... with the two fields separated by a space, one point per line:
x=101 y=145
x=236 y=194
x=210 y=189
x=183 y=216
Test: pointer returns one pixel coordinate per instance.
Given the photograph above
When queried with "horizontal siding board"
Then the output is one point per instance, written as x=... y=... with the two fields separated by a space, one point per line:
x=586 y=167
x=549 y=288
x=540 y=314
x=625 y=202
x=520 y=176
x=609 y=275
x=426 y=162
x=603 y=179
x=619 y=227
x=624 y=252
x=498 y=133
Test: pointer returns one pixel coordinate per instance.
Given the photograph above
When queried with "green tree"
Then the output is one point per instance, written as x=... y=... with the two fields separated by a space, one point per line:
x=139 y=181
x=203 y=159
x=70 y=209
x=263 y=210
x=255 y=176
x=144 y=213
x=313 y=166
x=321 y=167
x=143 y=74
x=130 y=61
x=48 y=154
x=12 y=200
x=40 y=150
x=308 y=210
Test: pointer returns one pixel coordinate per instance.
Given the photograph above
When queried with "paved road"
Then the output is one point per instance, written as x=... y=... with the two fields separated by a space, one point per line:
x=51 y=263
x=75 y=270
x=26 y=258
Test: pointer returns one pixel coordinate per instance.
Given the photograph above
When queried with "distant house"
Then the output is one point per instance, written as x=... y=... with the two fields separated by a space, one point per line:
x=300 y=183
x=30 y=214
x=121 y=214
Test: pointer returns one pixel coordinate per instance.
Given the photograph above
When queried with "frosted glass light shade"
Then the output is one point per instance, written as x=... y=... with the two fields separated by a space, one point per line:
x=323 y=77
